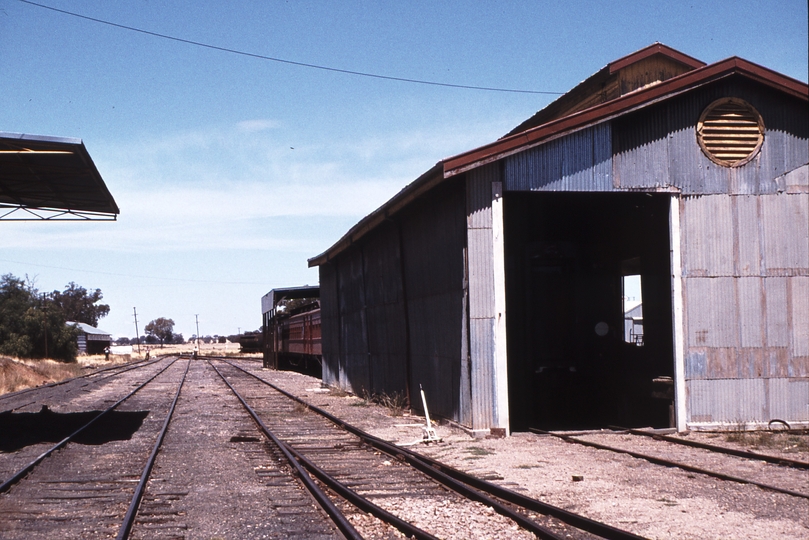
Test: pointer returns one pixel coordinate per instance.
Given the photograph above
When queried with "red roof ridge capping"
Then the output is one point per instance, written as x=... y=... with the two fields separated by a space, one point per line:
x=634 y=100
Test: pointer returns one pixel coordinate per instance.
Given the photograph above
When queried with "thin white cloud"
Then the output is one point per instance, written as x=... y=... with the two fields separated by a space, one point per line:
x=254 y=126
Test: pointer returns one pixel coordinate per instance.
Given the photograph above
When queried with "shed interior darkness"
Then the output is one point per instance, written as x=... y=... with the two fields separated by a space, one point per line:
x=570 y=366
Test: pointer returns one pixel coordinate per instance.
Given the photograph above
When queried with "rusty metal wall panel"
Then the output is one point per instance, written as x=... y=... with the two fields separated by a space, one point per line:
x=789 y=399
x=708 y=236
x=785 y=222
x=748 y=231
x=727 y=400
x=711 y=312
x=775 y=290
x=800 y=318
x=330 y=321
x=751 y=311
x=580 y=161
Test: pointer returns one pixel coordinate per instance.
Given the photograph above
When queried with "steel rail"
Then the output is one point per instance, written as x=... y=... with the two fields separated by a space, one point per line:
x=714 y=448
x=668 y=463
x=325 y=502
x=128 y=366
x=466 y=491
x=129 y=518
x=464 y=481
x=28 y=468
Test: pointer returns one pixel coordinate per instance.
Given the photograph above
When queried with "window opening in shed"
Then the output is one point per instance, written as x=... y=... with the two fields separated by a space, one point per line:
x=571 y=259
x=633 y=309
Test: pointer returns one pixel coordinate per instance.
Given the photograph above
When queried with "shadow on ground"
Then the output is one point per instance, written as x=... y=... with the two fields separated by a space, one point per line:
x=18 y=430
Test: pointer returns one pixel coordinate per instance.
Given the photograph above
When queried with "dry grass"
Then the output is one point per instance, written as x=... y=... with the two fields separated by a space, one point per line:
x=21 y=374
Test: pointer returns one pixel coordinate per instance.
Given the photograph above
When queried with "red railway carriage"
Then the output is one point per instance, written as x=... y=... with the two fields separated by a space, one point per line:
x=292 y=339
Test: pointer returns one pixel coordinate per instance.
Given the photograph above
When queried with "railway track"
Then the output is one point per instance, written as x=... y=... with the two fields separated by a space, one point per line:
x=79 y=486
x=381 y=478
x=59 y=391
x=771 y=473
x=210 y=448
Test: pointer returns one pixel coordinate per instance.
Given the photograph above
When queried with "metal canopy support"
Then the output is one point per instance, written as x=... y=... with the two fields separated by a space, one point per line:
x=51 y=179
x=28 y=213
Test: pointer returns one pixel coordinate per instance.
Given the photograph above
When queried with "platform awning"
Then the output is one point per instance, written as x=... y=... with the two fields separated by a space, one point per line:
x=51 y=178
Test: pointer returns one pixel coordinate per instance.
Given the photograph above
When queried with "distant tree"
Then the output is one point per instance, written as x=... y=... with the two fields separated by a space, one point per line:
x=221 y=339
x=32 y=325
x=162 y=329
x=122 y=341
x=178 y=339
x=79 y=305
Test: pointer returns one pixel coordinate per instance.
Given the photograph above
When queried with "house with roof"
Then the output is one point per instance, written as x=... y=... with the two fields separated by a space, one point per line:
x=495 y=280
x=91 y=340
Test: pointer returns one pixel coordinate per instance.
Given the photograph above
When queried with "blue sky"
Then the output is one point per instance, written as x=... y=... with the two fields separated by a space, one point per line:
x=230 y=171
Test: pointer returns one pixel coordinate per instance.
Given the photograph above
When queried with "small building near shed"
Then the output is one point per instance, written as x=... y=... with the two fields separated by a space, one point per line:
x=495 y=280
x=91 y=340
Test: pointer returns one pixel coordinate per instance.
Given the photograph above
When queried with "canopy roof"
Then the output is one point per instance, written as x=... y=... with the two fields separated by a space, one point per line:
x=50 y=178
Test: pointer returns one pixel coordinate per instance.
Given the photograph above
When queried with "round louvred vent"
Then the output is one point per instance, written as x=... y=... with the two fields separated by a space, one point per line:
x=730 y=132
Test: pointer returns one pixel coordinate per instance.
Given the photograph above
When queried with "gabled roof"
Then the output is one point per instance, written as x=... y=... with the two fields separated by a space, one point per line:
x=650 y=65
x=695 y=74
x=87 y=329
x=632 y=101
x=50 y=178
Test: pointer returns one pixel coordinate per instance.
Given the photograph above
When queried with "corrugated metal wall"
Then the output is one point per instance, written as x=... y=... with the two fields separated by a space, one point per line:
x=745 y=240
x=330 y=323
x=433 y=243
x=746 y=296
x=481 y=293
x=393 y=305
x=385 y=311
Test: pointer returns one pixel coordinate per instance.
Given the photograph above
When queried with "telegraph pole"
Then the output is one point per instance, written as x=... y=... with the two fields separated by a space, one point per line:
x=45 y=316
x=137 y=334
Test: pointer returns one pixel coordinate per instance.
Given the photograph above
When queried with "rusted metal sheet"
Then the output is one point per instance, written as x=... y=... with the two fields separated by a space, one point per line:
x=580 y=161
x=728 y=400
x=708 y=236
x=711 y=312
x=785 y=224
x=789 y=398
x=775 y=291
x=800 y=321
x=748 y=227
x=742 y=401
x=751 y=311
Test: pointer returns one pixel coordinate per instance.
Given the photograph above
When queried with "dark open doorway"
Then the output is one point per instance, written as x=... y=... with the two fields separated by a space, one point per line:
x=581 y=355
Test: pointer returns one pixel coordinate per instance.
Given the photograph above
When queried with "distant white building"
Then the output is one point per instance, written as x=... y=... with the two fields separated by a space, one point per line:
x=633 y=325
